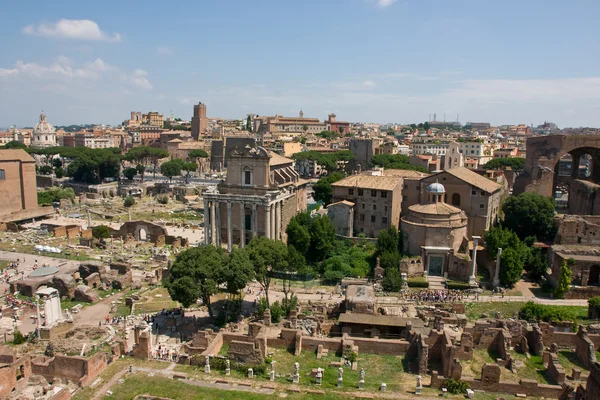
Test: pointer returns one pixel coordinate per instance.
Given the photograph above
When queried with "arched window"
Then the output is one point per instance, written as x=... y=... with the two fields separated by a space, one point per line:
x=456 y=200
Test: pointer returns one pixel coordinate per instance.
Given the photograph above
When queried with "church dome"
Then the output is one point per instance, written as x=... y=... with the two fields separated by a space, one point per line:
x=43 y=127
x=436 y=188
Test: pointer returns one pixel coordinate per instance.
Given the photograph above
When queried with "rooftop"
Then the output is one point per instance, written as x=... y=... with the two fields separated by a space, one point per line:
x=276 y=159
x=15 y=155
x=473 y=178
x=435 y=209
x=369 y=182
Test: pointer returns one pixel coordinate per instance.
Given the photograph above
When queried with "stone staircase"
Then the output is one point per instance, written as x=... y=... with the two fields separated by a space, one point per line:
x=436 y=282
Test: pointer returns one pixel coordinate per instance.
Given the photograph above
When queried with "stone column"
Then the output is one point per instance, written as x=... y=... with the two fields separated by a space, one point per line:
x=473 y=278
x=273 y=207
x=496 y=281
x=213 y=224
x=206 y=222
x=278 y=220
x=218 y=222
x=254 y=221
x=229 y=228
x=268 y=221
x=242 y=225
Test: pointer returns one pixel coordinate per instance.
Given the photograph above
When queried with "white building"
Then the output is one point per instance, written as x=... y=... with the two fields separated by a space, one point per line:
x=44 y=134
x=425 y=145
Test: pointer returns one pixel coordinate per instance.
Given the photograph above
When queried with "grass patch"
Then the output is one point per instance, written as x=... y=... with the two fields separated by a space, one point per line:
x=417 y=282
x=3 y=264
x=151 y=304
x=475 y=310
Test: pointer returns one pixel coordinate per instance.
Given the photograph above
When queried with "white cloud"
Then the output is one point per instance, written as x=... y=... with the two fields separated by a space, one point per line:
x=164 y=50
x=385 y=3
x=82 y=29
x=368 y=83
x=139 y=80
x=8 y=72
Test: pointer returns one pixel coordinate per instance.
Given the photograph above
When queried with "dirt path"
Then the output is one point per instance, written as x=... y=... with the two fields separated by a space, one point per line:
x=92 y=314
x=102 y=392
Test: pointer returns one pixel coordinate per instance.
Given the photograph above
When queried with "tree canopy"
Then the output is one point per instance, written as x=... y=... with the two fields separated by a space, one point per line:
x=329 y=161
x=130 y=173
x=530 y=214
x=267 y=255
x=47 y=197
x=322 y=190
x=171 y=168
x=143 y=155
x=515 y=163
x=14 y=144
x=101 y=232
x=198 y=153
x=395 y=161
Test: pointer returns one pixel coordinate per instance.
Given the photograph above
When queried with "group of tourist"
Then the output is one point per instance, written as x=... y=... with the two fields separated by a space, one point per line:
x=436 y=296
x=162 y=353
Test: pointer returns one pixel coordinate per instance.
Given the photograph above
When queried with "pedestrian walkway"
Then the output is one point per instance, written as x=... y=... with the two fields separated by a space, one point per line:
x=436 y=283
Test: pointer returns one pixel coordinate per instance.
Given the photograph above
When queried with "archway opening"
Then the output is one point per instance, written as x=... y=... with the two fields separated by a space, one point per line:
x=456 y=200
x=564 y=167
x=594 y=278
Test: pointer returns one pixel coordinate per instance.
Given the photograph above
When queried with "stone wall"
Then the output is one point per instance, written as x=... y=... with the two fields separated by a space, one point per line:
x=12 y=369
x=80 y=370
x=584 y=348
x=555 y=370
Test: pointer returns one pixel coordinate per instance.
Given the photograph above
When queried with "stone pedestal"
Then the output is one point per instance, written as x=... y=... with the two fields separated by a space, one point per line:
x=319 y=378
x=250 y=373
x=227 y=371
x=382 y=387
x=296 y=378
x=361 y=384
x=272 y=376
x=340 y=382
x=418 y=389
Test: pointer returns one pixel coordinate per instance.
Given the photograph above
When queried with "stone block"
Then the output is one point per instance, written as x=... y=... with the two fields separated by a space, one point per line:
x=86 y=294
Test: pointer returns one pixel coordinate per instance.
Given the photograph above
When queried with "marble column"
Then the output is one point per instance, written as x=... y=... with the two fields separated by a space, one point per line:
x=496 y=281
x=229 y=228
x=254 y=221
x=206 y=222
x=268 y=221
x=213 y=225
x=242 y=225
x=473 y=278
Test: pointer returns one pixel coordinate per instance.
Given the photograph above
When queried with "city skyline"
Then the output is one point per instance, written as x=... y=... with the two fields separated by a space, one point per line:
x=365 y=60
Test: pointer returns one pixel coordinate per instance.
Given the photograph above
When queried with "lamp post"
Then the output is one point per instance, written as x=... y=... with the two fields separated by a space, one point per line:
x=473 y=278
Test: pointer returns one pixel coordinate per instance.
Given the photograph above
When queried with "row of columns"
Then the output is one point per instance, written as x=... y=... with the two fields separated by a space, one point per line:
x=212 y=234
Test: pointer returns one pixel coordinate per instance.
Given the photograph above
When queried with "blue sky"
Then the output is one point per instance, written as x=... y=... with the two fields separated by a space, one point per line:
x=509 y=61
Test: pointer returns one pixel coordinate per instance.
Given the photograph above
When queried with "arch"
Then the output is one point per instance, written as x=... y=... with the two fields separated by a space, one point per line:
x=142 y=235
x=594 y=277
x=456 y=199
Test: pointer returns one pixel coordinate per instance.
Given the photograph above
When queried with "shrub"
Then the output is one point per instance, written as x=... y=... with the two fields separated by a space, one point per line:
x=129 y=201
x=417 y=282
x=594 y=302
x=59 y=172
x=276 y=312
x=456 y=386
x=101 y=232
x=392 y=280
x=546 y=313
x=261 y=306
x=457 y=285
x=163 y=199
x=18 y=337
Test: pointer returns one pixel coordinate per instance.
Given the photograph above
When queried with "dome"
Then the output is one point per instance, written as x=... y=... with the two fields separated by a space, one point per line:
x=436 y=188
x=43 y=127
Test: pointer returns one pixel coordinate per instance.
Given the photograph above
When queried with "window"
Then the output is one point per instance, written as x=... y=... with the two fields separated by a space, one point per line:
x=360 y=192
x=482 y=193
x=362 y=217
x=383 y=195
x=363 y=206
x=374 y=207
x=372 y=218
x=350 y=191
x=482 y=205
x=384 y=220
x=2 y=175
x=473 y=192
x=385 y=209
x=373 y=193
x=404 y=198
x=247 y=177
x=456 y=199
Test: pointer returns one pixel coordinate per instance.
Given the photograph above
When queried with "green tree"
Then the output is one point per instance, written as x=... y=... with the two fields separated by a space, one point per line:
x=322 y=237
x=500 y=237
x=128 y=201
x=170 y=169
x=196 y=274
x=267 y=255
x=188 y=167
x=389 y=241
x=47 y=197
x=59 y=172
x=515 y=163
x=536 y=264
x=564 y=281
x=249 y=124
x=298 y=235
x=238 y=272
x=395 y=161
x=276 y=312
x=101 y=232
x=130 y=173
x=530 y=214
x=14 y=144
x=198 y=153
x=392 y=280
x=390 y=260
x=511 y=267
x=45 y=170
x=426 y=126
x=322 y=190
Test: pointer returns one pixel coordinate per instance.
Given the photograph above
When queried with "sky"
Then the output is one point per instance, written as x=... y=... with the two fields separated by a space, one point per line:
x=498 y=61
